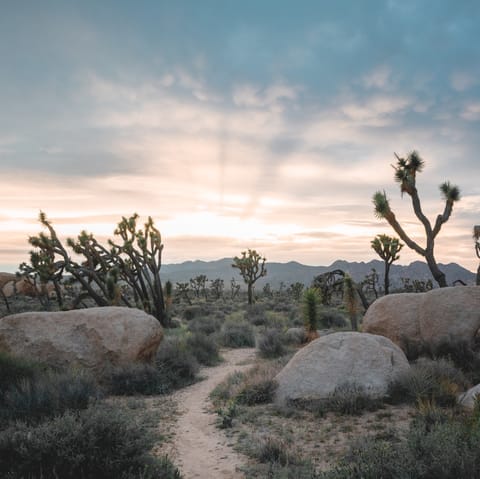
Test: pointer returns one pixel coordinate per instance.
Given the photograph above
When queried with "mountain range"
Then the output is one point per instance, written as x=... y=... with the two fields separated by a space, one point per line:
x=291 y=272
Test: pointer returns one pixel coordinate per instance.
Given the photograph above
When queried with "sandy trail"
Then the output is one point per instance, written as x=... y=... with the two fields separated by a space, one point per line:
x=199 y=449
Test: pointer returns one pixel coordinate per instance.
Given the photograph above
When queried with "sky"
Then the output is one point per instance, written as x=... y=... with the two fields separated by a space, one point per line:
x=265 y=124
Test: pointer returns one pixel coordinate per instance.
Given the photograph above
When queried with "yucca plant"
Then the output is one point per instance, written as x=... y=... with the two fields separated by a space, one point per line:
x=311 y=307
x=351 y=300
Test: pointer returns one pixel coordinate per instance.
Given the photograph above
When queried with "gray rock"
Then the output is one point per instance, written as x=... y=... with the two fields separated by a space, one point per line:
x=467 y=400
x=94 y=338
x=366 y=360
x=445 y=314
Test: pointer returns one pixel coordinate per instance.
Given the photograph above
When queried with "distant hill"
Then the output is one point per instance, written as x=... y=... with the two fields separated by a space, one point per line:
x=292 y=272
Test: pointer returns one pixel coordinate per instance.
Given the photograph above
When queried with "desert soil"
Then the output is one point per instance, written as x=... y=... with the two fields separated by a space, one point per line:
x=198 y=448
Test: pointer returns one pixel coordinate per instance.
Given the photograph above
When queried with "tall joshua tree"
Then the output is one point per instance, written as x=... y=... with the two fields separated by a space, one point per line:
x=476 y=237
x=388 y=249
x=252 y=267
x=406 y=171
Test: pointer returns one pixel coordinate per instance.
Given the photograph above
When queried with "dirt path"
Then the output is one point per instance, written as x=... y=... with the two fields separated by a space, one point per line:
x=199 y=449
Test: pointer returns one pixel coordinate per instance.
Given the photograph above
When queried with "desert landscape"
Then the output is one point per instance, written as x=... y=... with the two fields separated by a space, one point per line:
x=239 y=240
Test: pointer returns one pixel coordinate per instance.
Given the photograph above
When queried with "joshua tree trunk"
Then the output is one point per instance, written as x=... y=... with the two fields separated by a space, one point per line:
x=386 y=283
x=438 y=275
x=250 y=293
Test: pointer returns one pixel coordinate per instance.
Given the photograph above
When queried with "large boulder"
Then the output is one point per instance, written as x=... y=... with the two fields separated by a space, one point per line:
x=366 y=360
x=467 y=399
x=438 y=316
x=6 y=278
x=94 y=338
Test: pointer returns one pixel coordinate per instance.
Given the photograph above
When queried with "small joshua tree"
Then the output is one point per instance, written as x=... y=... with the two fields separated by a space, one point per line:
x=476 y=237
x=252 y=267
x=310 y=305
x=405 y=173
x=216 y=287
x=388 y=249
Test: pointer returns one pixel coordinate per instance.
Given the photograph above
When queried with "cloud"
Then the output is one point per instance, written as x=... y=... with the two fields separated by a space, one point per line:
x=471 y=112
x=378 y=78
x=462 y=81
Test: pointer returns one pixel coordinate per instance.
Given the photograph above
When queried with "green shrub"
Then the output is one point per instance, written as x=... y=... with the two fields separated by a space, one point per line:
x=272 y=344
x=46 y=395
x=227 y=389
x=332 y=318
x=445 y=450
x=351 y=399
x=237 y=334
x=135 y=378
x=176 y=365
x=204 y=348
x=276 y=450
x=255 y=386
x=434 y=380
x=13 y=370
x=205 y=324
x=259 y=392
x=463 y=354
x=256 y=314
x=98 y=442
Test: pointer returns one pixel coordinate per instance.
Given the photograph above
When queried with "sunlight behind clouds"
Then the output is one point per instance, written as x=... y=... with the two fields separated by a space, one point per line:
x=237 y=127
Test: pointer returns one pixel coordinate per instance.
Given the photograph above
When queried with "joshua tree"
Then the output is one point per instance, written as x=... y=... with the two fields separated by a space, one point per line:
x=252 y=267
x=136 y=261
x=370 y=282
x=388 y=249
x=476 y=236
x=199 y=285
x=234 y=288
x=405 y=173
x=216 y=287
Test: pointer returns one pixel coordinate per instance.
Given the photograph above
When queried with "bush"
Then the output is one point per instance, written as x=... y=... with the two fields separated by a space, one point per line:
x=444 y=450
x=463 y=354
x=135 y=378
x=237 y=334
x=260 y=392
x=272 y=344
x=176 y=365
x=256 y=386
x=351 y=399
x=256 y=314
x=435 y=380
x=99 y=442
x=47 y=395
x=13 y=370
x=275 y=450
x=332 y=318
x=205 y=324
x=204 y=348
